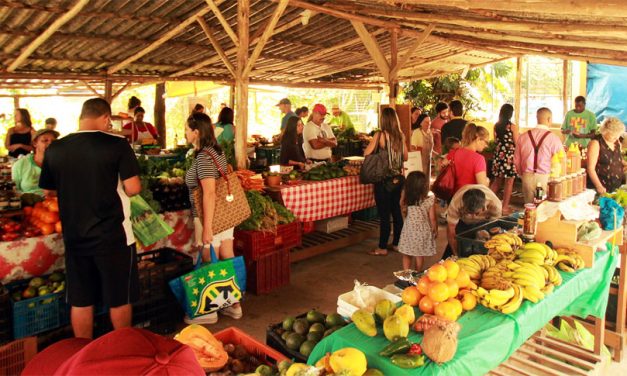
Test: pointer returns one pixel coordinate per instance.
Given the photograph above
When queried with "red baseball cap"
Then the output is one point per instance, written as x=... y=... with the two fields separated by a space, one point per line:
x=319 y=108
x=127 y=351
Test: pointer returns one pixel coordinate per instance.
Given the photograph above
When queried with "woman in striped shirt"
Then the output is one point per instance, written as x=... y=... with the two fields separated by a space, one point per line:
x=204 y=172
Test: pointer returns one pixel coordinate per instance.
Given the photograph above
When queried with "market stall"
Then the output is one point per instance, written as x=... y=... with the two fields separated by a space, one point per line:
x=316 y=200
x=487 y=338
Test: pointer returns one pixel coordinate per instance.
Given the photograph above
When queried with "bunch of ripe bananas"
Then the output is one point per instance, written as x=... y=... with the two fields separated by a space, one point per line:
x=506 y=301
x=503 y=246
x=475 y=265
x=536 y=253
x=569 y=260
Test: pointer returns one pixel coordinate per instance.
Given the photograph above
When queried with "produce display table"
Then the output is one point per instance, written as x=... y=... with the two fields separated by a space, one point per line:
x=316 y=200
x=487 y=337
x=30 y=257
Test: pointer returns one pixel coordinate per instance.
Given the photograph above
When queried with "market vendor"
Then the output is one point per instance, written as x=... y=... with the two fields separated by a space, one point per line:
x=341 y=118
x=318 y=138
x=605 y=160
x=139 y=131
x=472 y=206
x=579 y=125
x=26 y=170
x=292 y=153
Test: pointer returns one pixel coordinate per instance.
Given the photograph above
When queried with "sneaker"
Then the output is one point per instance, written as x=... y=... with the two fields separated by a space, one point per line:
x=210 y=318
x=234 y=312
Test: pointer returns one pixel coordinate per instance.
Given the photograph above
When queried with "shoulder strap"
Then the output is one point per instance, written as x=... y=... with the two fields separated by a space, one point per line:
x=220 y=170
x=536 y=148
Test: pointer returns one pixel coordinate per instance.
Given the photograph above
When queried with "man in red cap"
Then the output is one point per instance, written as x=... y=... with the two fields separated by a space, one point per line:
x=318 y=137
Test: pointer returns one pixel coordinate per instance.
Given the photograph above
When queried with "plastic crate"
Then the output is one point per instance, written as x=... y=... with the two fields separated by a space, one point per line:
x=38 y=314
x=15 y=355
x=5 y=315
x=269 y=272
x=274 y=340
x=254 y=244
x=368 y=214
x=167 y=264
x=262 y=352
x=467 y=244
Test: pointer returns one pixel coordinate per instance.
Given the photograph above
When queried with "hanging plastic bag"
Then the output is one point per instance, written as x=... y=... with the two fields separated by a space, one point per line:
x=611 y=214
x=148 y=227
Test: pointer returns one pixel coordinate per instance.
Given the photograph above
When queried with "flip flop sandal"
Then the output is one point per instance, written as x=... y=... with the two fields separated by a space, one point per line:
x=377 y=252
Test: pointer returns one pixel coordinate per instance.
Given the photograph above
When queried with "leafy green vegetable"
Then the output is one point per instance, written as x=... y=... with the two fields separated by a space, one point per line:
x=265 y=213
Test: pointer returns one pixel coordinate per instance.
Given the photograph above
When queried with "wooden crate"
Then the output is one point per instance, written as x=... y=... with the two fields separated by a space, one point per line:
x=563 y=233
x=542 y=355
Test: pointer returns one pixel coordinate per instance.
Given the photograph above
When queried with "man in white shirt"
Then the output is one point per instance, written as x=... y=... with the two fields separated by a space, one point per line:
x=318 y=138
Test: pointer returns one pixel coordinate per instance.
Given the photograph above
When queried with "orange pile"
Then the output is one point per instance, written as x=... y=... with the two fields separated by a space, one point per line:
x=444 y=290
x=45 y=216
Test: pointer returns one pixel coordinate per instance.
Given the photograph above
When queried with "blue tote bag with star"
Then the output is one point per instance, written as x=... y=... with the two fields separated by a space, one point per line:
x=212 y=286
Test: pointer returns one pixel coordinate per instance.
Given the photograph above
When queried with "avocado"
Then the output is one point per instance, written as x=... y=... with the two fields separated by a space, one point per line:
x=328 y=332
x=314 y=316
x=285 y=334
x=288 y=323
x=301 y=326
x=264 y=370
x=284 y=365
x=307 y=347
x=317 y=327
x=293 y=341
x=315 y=336
x=334 y=319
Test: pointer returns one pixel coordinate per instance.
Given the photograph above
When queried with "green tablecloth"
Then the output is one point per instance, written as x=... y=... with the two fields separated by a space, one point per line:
x=488 y=338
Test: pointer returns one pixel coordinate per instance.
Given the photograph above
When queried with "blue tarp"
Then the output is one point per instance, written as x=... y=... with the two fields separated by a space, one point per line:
x=607 y=91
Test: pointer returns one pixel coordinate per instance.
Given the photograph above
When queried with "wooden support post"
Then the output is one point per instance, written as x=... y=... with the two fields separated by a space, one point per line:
x=227 y=28
x=517 y=90
x=216 y=45
x=160 y=113
x=16 y=102
x=565 y=86
x=126 y=85
x=241 y=84
x=108 y=94
x=58 y=22
x=267 y=33
x=232 y=96
x=392 y=81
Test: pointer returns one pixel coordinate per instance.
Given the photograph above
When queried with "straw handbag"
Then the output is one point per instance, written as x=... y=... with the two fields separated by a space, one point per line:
x=231 y=206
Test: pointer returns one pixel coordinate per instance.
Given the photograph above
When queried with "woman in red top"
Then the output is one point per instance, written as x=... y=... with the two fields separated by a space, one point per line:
x=470 y=166
x=138 y=130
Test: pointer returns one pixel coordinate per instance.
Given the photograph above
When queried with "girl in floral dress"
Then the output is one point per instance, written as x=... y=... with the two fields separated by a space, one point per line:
x=503 y=169
x=420 y=228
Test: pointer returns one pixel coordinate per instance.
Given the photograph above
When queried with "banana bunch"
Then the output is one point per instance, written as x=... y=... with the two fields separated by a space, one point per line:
x=493 y=278
x=555 y=277
x=502 y=246
x=505 y=301
x=527 y=274
x=475 y=265
x=536 y=253
x=568 y=260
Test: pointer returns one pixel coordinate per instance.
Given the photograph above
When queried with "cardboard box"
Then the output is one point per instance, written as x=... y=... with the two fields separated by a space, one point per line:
x=332 y=224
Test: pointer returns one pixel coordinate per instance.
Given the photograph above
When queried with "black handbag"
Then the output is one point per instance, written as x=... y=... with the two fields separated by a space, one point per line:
x=376 y=166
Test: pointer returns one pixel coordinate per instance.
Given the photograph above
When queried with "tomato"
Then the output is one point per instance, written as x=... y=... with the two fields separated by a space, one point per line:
x=28 y=211
x=47 y=229
x=58 y=228
x=53 y=206
x=7 y=227
x=50 y=217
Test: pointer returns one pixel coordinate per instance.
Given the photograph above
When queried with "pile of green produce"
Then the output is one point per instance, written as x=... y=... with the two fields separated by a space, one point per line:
x=302 y=334
x=40 y=286
x=266 y=214
x=324 y=172
x=620 y=196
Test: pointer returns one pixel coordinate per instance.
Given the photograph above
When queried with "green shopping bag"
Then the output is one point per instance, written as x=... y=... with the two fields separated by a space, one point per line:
x=148 y=227
x=211 y=286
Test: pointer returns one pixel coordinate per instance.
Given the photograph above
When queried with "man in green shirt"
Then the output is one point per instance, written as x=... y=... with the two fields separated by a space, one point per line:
x=579 y=124
x=341 y=118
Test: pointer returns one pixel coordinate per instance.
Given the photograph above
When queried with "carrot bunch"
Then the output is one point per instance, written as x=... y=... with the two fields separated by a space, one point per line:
x=249 y=183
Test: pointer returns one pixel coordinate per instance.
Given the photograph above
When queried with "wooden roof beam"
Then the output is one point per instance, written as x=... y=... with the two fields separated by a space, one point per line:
x=204 y=63
x=91 y=88
x=501 y=24
x=216 y=45
x=227 y=28
x=340 y=14
x=267 y=34
x=609 y=8
x=408 y=54
x=46 y=34
x=373 y=48
x=164 y=38
x=333 y=71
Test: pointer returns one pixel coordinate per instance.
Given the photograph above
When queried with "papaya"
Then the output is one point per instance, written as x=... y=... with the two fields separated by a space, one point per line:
x=208 y=350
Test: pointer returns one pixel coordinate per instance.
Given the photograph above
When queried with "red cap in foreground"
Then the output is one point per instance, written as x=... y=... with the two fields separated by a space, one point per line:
x=319 y=108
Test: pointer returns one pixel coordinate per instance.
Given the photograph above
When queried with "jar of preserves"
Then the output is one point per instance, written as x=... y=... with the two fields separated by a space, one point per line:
x=555 y=190
x=530 y=222
x=576 y=184
x=568 y=186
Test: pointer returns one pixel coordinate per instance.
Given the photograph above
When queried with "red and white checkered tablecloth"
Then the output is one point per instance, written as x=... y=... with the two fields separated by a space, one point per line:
x=312 y=201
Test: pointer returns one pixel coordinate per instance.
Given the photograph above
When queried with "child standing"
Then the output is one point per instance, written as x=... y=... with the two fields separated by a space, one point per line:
x=420 y=228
